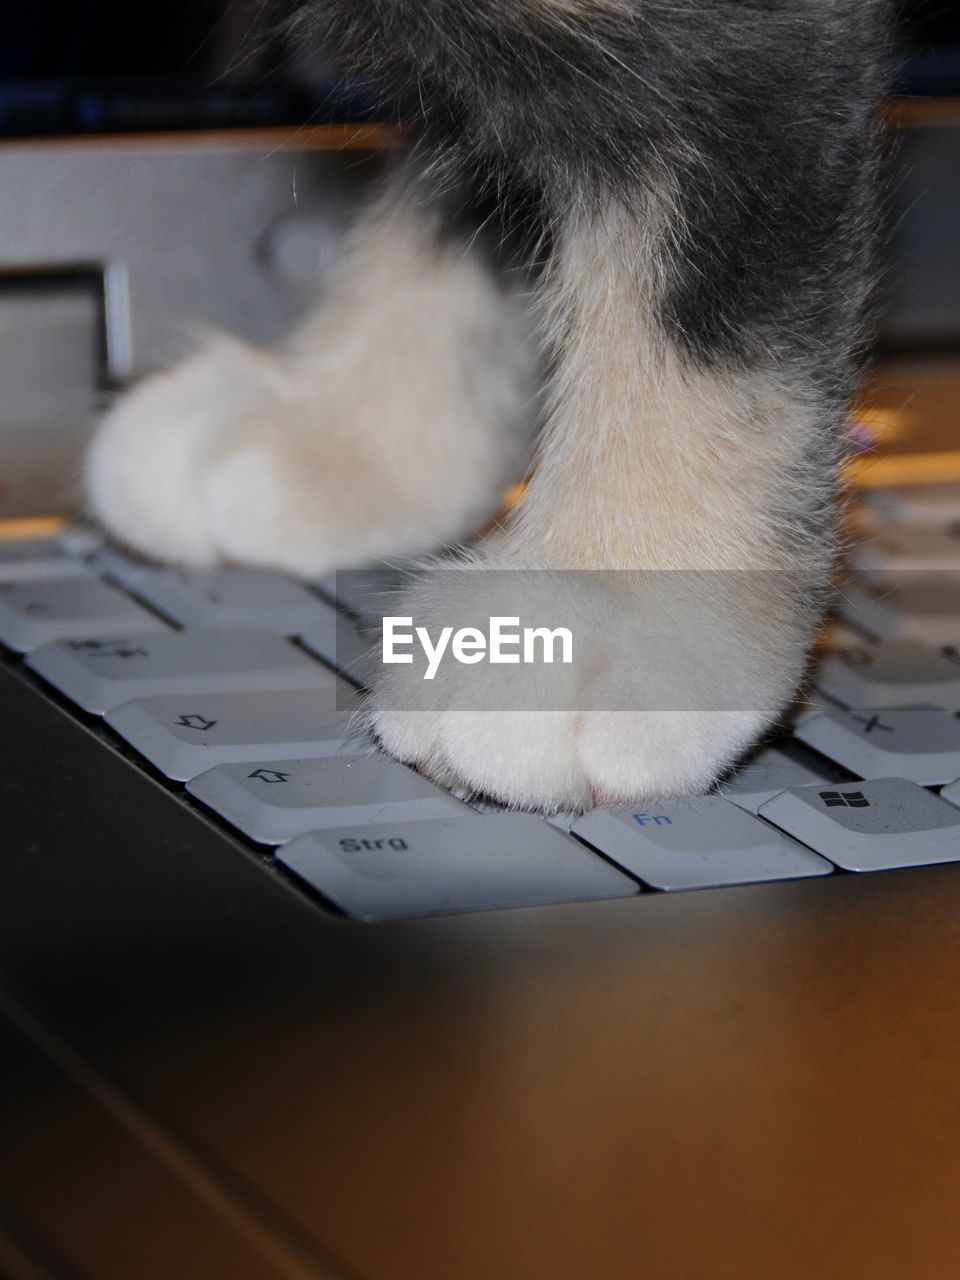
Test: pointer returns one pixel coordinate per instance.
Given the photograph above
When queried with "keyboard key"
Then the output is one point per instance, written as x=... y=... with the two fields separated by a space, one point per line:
x=125 y=567
x=952 y=792
x=907 y=548
x=79 y=539
x=366 y=592
x=32 y=558
x=696 y=843
x=764 y=775
x=920 y=606
x=35 y=612
x=870 y=826
x=896 y=674
x=920 y=744
x=339 y=641
x=451 y=864
x=917 y=504
x=184 y=735
x=272 y=801
x=562 y=820
x=226 y=597
x=809 y=703
x=99 y=675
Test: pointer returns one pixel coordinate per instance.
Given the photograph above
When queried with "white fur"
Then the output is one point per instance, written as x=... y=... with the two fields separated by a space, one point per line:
x=150 y=458
x=645 y=465
x=389 y=425
x=667 y=685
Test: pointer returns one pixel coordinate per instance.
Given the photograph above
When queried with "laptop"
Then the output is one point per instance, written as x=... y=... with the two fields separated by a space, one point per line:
x=272 y=1005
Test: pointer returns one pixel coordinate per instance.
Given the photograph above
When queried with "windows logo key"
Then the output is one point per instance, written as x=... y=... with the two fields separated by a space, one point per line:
x=844 y=799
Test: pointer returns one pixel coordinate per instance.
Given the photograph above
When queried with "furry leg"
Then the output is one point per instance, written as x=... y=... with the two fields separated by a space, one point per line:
x=390 y=424
x=691 y=493
x=707 y=173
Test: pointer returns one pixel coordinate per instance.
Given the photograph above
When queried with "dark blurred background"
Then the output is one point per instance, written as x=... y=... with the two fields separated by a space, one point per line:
x=929 y=33
x=89 y=66
x=109 y=65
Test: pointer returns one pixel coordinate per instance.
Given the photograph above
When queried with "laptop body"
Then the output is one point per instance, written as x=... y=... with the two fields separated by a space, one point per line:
x=206 y=1075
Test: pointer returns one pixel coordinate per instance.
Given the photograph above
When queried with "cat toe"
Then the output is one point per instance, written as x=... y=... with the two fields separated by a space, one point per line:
x=638 y=713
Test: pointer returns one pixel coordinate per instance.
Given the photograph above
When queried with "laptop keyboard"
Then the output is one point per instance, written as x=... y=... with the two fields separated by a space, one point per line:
x=238 y=689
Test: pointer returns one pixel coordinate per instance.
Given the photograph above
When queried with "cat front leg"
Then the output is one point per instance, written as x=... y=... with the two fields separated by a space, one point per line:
x=677 y=524
x=708 y=174
x=388 y=425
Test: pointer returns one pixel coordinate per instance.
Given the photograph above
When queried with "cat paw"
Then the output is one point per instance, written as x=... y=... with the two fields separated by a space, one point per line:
x=148 y=464
x=303 y=465
x=670 y=683
x=224 y=458
x=389 y=424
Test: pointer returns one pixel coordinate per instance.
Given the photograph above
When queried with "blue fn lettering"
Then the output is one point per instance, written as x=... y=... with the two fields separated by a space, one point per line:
x=659 y=819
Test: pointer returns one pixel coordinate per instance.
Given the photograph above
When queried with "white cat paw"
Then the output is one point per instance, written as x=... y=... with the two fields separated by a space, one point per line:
x=233 y=455
x=668 y=687
x=146 y=466
x=388 y=425
x=304 y=465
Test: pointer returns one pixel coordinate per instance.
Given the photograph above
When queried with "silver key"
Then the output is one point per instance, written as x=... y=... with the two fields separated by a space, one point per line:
x=870 y=826
x=563 y=820
x=272 y=801
x=763 y=776
x=808 y=704
x=696 y=843
x=79 y=539
x=125 y=567
x=99 y=675
x=952 y=792
x=184 y=735
x=907 y=549
x=32 y=558
x=917 y=505
x=921 y=606
x=920 y=744
x=35 y=612
x=228 y=597
x=366 y=592
x=339 y=641
x=451 y=864
x=896 y=674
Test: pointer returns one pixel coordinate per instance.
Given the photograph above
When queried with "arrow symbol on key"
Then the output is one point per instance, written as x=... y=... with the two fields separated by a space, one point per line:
x=196 y=722
x=269 y=775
